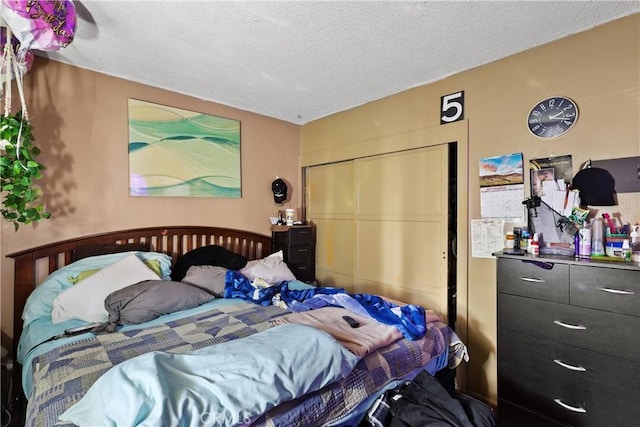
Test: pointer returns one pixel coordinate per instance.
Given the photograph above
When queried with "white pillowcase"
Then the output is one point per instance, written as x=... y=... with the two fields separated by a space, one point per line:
x=85 y=300
x=271 y=269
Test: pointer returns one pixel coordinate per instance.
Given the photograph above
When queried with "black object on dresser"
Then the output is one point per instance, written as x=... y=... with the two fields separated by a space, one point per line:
x=569 y=339
x=298 y=244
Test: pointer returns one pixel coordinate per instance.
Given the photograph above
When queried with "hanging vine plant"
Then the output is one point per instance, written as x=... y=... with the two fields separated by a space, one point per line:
x=19 y=170
x=25 y=25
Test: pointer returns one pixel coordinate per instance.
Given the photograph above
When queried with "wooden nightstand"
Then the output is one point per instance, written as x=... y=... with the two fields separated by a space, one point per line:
x=298 y=245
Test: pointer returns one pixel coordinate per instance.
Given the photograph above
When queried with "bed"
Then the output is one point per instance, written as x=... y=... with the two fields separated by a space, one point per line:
x=195 y=363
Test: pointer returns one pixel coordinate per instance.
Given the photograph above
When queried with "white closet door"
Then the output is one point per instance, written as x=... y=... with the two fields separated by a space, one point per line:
x=382 y=225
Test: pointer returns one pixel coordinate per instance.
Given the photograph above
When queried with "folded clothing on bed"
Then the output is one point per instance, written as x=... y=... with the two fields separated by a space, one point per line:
x=225 y=384
x=369 y=336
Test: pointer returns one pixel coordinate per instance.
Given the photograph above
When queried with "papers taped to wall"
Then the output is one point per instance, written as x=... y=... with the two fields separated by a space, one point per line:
x=552 y=227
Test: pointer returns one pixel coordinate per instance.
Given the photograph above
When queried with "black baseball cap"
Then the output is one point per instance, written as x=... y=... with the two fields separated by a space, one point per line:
x=279 y=188
x=597 y=187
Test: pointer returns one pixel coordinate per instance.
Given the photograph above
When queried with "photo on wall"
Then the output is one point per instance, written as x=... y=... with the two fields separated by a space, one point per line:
x=553 y=168
x=538 y=179
x=180 y=153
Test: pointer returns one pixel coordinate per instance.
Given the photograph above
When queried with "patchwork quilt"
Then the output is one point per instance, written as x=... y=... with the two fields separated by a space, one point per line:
x=62 y=376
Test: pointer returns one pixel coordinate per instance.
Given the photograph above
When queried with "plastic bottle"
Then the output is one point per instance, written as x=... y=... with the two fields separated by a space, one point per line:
x=634 y=234
x=597 y=237
x=509 y=240
x=526 y=238
x=535 y=245
x=585 y=242
x=626 y=250
x=635 y=244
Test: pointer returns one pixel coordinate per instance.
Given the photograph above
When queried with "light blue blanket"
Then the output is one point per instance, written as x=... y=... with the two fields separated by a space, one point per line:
x=219 y=385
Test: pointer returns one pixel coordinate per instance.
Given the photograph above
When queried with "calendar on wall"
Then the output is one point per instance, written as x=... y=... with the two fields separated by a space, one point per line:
x=502 y=187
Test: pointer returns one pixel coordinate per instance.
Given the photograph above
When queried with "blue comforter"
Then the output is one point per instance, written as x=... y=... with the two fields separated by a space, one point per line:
x=222 y=384
x=409 y=319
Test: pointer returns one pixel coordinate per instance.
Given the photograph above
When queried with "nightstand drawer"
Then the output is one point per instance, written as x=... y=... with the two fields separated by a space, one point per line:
x=613 y=377
x=301 y=236
x=304 y=272
x=301 y=254
x=606 y=289
x=600 y=331
x=535 y=279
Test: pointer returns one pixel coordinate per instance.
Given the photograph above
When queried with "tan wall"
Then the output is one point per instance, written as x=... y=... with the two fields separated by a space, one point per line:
x=80 y=123
x=599 y=69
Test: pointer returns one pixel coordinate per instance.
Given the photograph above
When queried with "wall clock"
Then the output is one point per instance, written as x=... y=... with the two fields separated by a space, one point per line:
x=552 y=117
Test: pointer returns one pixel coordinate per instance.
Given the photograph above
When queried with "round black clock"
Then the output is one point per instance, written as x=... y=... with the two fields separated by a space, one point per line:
x=552 y=117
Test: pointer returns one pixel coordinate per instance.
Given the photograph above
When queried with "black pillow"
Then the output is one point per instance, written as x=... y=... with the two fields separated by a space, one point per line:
x=106 y=248
x=207 y=255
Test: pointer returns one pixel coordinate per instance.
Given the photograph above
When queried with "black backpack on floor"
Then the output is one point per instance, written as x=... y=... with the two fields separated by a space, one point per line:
x=425 y=402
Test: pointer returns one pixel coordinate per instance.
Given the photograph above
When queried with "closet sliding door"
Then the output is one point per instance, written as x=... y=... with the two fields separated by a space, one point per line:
x=382 y=224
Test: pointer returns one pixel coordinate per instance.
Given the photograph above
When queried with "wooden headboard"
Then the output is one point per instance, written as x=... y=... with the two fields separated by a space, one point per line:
x=33 y=265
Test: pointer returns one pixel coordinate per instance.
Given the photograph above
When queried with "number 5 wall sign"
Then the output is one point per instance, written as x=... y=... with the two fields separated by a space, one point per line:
x=452 y=107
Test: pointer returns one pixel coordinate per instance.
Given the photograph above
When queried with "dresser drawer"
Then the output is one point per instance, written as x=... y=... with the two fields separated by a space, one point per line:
x=608 y=333
x=611 y=376
x=535 y=279
x=606 y=289
x=571 y=404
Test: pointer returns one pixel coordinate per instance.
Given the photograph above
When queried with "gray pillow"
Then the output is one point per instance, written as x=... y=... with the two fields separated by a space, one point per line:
x=209 y=278
x=149 y=299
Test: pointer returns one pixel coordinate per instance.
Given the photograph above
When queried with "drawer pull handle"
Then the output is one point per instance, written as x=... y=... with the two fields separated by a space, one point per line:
x=615 y=291
x=570 y=367
x=569 y=326
x=531 y=279
x=303 y=250
x=570 y=408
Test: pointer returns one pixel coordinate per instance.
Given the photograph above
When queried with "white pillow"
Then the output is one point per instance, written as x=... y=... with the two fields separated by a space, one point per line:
x=85 y=300
x=271 y=269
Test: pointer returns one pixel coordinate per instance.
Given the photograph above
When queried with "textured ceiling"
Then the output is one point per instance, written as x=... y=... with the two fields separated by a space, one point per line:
x=301 y=60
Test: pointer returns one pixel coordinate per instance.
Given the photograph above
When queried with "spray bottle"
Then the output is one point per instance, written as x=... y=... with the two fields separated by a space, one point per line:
x=635 y=244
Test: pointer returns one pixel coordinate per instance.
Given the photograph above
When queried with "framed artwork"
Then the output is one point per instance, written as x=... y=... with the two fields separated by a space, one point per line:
x=181 y=153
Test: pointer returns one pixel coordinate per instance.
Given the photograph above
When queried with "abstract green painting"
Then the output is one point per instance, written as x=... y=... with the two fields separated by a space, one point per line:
x=181 y=153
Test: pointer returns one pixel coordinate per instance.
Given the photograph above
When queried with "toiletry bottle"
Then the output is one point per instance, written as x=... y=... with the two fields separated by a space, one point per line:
x=535 y=245
x=517 y=238
x=626 y=250
x=597 y=237
x=509 y=240
x=635 y=244
x=526 y=238
x=634 y=234
x=585 y=241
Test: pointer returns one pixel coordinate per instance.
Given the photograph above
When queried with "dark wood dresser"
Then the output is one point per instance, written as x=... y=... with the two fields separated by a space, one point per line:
x=298 y=245
x=569 y=339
